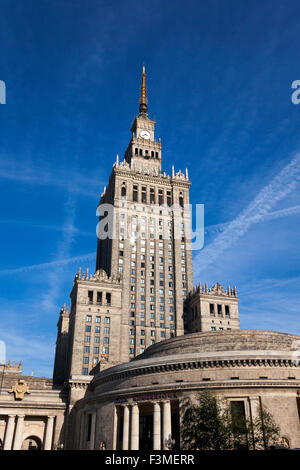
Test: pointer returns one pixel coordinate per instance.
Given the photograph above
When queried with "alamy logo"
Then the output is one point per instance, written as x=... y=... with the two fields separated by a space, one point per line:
x=296 y=95
x=162 y=223
x=2 y=92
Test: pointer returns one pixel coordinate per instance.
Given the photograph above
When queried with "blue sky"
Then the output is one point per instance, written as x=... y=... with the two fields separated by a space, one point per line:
x=219 y=75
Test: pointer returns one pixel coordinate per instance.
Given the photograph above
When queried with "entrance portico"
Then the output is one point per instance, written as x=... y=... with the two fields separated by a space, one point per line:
x=146 y=425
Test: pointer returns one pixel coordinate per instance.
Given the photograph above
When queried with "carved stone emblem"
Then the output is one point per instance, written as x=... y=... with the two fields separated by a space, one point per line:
x=218 y=289
x=19 y=389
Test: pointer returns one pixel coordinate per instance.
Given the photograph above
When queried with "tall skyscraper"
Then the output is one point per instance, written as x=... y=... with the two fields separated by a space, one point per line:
x=149 y=249
x=144 y=271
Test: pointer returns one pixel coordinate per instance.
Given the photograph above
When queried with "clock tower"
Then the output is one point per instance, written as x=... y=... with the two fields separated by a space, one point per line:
x=149 y=251
x=143 y=151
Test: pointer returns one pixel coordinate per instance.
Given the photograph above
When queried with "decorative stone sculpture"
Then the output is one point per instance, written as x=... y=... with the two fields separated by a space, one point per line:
x=19 y=389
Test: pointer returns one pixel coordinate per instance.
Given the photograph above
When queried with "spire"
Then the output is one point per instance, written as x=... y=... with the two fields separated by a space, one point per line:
x=143 y=97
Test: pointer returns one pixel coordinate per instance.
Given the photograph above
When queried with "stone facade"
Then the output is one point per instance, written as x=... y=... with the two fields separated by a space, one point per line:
x=32 y=411
x=90 y=332
x=257 y=368
x=123 y=364
x=212 y=309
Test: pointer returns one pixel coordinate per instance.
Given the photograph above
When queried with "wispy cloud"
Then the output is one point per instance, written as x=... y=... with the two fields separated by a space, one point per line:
x=58 y=178
x=283 y=184
x=28 y=348
x=288 y=211
x=50 y=264
x=56 y=228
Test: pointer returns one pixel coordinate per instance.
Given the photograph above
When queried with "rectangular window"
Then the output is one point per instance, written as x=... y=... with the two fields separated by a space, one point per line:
x=96 y=350
x=99 y=297
x=97 y=329
x=88 y=318
x=219 y=309
x=97 y=339
x=86 y=349
x=106 y=330
x=106 y=340
x=237 y=409
x=212 y=309
x=107 y=320
x=85 y=360
x=98 y=319
x=108 y=298
x=227 y=311
x=85 y=371
x=88 y=328
x=89 y=427
x=90 y=296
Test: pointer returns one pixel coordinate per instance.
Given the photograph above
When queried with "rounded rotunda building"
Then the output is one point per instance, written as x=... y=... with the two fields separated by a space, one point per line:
x=136 y=405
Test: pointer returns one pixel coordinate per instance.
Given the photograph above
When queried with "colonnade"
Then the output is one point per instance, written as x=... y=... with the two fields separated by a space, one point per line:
x=13 y=437
x=161 y=434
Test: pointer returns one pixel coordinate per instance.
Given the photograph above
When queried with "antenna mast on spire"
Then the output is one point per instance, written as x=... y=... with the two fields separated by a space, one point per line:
x=143 y=96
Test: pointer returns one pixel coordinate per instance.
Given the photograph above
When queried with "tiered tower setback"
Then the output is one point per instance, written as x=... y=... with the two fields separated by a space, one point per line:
x=140 y=292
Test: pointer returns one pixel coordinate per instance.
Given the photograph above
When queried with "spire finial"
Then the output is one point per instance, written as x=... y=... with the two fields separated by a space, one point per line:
x=143 y=97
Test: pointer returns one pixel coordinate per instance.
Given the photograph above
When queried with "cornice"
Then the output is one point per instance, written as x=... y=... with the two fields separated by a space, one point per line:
x=128 y=394
x=197 y=364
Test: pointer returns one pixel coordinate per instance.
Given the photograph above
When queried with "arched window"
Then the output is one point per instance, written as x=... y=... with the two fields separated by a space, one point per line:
x=32 y=443
x=123 y=190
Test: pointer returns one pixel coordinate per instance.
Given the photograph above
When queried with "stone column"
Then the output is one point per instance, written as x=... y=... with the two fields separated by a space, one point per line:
x=93 y=431
x=9 y=433
x=49 y=433
x=156 y=427
x=135 y=424
x=116 y=426
x=125 y=428
x=167 y=429
x=19 y=433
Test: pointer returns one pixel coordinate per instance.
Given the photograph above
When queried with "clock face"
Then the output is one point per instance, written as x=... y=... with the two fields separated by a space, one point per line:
x=145 y=135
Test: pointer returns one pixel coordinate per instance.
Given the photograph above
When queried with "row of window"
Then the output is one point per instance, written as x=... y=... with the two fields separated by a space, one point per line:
x=139 y=151
x=97 y=329
x=219 y=310
x=147 y=195
x=87 y=350
x=87 y=339
x=213 y=328
x=99 y=297
x=89 y=318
